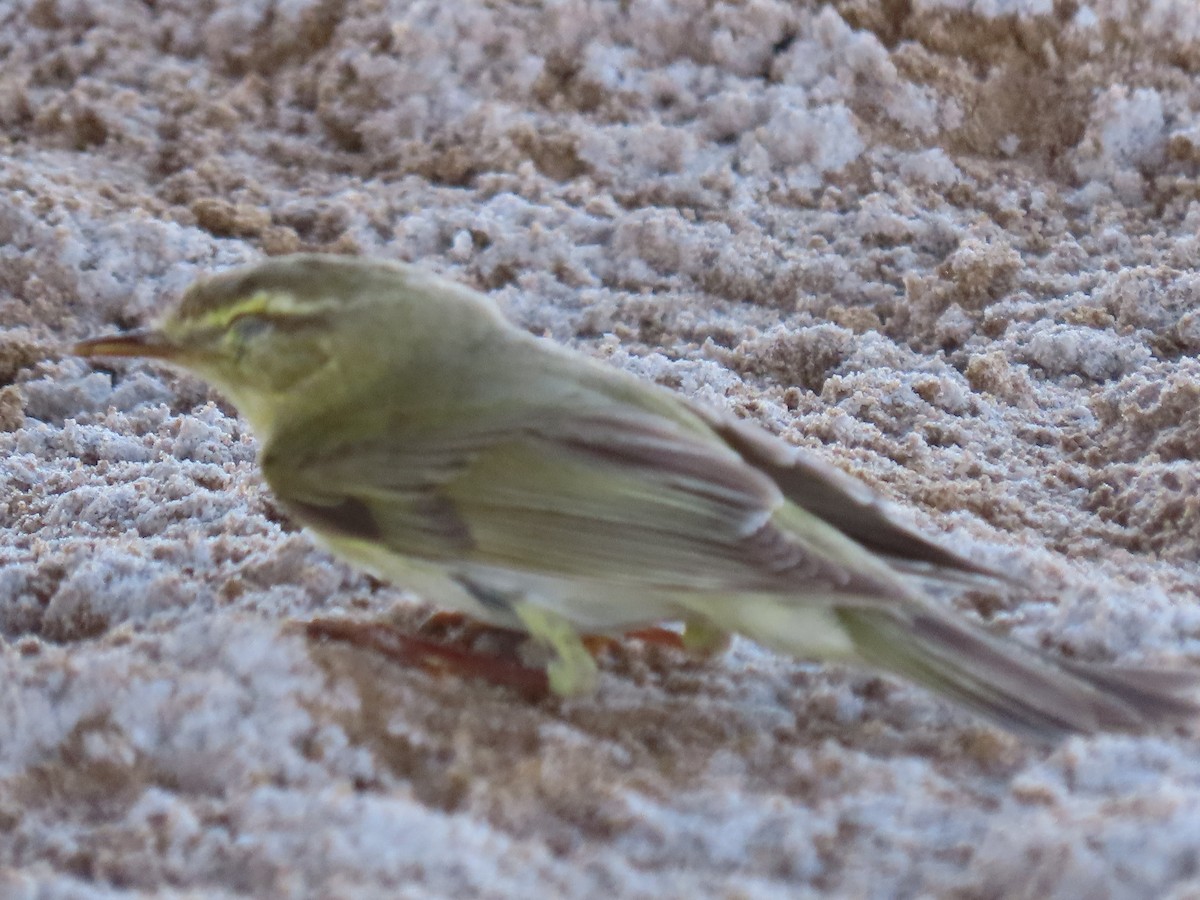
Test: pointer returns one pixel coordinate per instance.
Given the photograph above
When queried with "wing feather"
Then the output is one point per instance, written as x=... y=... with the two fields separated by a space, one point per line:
x=627 y=498
x=839 y=499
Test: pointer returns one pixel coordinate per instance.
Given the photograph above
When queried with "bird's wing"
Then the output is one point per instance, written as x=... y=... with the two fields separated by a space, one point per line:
x=839 y=499
x=624 y=498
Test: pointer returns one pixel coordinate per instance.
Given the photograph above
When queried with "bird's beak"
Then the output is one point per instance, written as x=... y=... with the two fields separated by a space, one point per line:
x=152 y=344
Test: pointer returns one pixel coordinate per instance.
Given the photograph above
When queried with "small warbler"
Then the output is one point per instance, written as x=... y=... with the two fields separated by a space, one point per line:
x=420 y=436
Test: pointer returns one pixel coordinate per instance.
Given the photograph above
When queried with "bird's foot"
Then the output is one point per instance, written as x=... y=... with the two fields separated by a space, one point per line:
x=434 y=656
x=447 y=640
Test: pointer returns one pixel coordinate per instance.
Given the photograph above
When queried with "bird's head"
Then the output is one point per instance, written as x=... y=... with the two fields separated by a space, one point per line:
x=259 y=334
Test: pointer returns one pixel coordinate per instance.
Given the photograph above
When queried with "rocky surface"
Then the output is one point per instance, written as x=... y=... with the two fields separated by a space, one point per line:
x=949 y=244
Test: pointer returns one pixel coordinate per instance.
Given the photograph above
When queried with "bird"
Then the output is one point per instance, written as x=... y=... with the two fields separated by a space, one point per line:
x=420 y=436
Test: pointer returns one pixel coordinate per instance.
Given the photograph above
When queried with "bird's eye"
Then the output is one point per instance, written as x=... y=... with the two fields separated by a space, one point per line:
x=247 y=327
x=242 y=333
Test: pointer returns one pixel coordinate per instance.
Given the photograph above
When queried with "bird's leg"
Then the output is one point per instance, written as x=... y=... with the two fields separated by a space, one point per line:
x=433 y=656
x=573 y=670
x=703 y=639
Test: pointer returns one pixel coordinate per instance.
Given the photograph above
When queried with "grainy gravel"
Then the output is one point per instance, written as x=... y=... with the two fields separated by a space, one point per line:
x=948 y=243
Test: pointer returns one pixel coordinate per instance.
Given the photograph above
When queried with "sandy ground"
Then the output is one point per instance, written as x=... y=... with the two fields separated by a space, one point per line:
x=949 y=245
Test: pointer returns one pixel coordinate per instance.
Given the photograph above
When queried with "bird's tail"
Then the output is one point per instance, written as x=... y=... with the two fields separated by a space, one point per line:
x=1019 y=688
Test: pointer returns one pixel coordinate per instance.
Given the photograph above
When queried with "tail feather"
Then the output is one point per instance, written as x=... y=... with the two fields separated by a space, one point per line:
x=1022 y=689
x=1169 y=691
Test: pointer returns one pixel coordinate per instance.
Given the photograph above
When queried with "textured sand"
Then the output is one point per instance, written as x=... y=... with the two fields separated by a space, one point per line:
x=948 y=244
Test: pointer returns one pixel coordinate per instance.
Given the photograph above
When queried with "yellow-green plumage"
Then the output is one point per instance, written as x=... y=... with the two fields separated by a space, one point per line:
x=421 y=436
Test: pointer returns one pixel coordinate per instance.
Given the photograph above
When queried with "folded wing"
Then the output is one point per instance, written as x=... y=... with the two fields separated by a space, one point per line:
x=629 y=498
